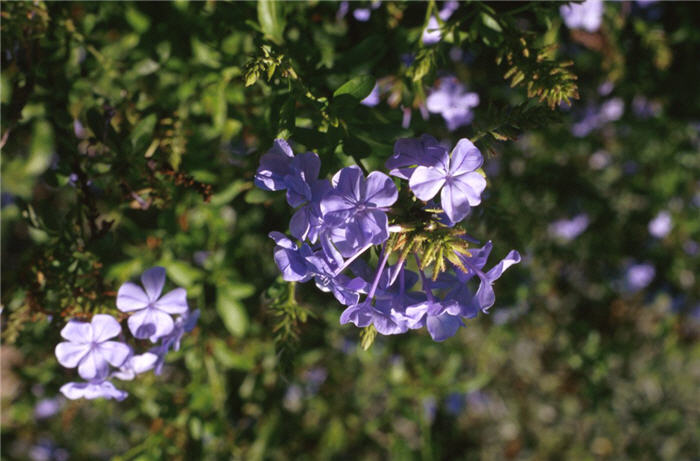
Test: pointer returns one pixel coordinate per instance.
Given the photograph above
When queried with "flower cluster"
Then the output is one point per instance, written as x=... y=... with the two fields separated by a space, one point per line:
x=90 y=346
x=337 y=223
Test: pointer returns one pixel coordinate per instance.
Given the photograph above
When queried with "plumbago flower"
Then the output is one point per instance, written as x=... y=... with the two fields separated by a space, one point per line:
x=451 y=100
x=356 y=215
x=150 y=316
x=456 y=179
x=89 y=347
x=357 y=208
x=587 y=15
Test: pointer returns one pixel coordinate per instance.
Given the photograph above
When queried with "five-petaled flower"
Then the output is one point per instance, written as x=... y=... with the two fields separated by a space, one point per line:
x=457 y=177
x=356 y=206
x=451 y=100
x=150 y=316
x=88 y=347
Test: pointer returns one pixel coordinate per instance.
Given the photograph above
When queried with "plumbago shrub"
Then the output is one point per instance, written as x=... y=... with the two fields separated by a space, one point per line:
x=218 y=218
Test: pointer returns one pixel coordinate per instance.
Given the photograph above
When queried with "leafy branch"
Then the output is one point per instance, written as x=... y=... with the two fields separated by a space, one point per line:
x=544 y=77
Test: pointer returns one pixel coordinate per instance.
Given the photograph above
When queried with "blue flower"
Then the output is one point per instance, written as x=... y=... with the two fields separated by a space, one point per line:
x=475 y=262
x=586 y=15
x=356 y=206
x=88 y=347
x=275 y=165
x=412 y=152
x=451 y=100
x=456 y=176
x=638 y=276
x=661 y=225
x=150 y=312
x=569 y=229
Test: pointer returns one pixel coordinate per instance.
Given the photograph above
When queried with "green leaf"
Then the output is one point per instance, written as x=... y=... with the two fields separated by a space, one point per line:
x=255 y=196
x=146 y=66
x=141 y=134
x=356 y=147
x=490 y=22
x=271 y=20
x=231 y=311
x=137 y=20
x=40 y=148
x=241 y=290
x=182 y=273
x=359 y=87
x=204 y=54
x=228 y=194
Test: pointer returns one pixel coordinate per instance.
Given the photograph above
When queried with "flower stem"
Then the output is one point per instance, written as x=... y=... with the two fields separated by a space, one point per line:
x=386 y=251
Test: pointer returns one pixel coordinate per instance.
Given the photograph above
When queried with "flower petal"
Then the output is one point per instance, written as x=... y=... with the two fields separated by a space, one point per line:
x=299 y=225
x=281 y=147
x=190 y=320
x=455 y=202
x=425 y=182
x=131 y=297
x=74 y=391
x=298 y=190
x=443 y=326
x=70 y=354
x=274 y=166
x=77 y=332
x=485 y=296
x=513 y=257
x=114 y=352
x=478 y=257
x=153 y=280
x=309 y=164
x=291 y=264
x=415 y=151
x=150 y=323
x=358 y=314
x=465 y=158
x=104 y=327
x=475 y=185
x=437 y=101
x=144 y=362
x=375 y=225
x=381 y=190
x=92 y=391
x=387 y=324
x=336 y=208
x=173 y=302
x=282 y=240
x=93 y=366
x=349 y=182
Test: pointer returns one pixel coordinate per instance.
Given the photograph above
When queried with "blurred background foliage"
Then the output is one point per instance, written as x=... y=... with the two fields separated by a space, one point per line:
x=130 y=134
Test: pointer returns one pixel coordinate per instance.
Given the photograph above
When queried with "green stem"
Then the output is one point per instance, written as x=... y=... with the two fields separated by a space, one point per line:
x=291 y=292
